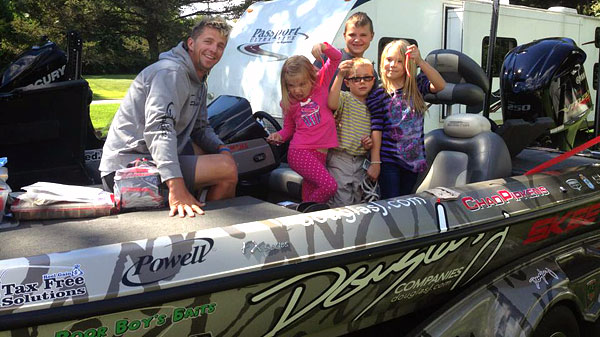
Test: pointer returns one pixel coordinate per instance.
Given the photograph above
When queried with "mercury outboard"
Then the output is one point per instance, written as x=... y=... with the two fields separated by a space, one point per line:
x=40 y=65
x=45 y=125
x=544 y=88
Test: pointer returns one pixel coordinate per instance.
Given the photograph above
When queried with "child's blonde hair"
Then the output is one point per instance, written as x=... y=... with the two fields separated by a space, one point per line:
x=410 y=90
x=359 y=61
x=295 y=65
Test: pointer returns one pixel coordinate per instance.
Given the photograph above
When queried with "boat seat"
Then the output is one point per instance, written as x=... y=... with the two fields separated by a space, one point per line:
x=284 y=184
x=463 y=152
x=466 y=82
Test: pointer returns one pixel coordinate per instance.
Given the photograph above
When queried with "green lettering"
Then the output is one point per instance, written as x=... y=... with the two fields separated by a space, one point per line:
x=190 y=313
x=162 y=319
x=62 y=333
x=135 y=325
x=102 y=331
x=121 y=326
x=178 y=314
x=147 y=321
x=212 y=307
x=91 y=332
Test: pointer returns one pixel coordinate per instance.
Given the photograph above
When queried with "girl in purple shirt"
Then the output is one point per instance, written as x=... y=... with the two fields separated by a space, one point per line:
x=308 y=121
x=397 y=116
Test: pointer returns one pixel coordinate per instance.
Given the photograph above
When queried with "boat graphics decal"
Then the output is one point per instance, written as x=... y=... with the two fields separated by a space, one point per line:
x=251 y=247
x=502 y=197
x=139 y=324
x=563 y=223
x=59 y=285
x=402 y=260
x=587 y=181
x=149 y=269
x=574 y=183
x=348 y=283
x=541 y=277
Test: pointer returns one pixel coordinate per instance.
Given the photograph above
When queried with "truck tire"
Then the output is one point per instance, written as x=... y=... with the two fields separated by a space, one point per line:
x=558 y=322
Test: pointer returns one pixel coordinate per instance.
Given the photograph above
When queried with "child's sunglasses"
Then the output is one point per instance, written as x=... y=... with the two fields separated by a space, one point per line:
x=363 y=78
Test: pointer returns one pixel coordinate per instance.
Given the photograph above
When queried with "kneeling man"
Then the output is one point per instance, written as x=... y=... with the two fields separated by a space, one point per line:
x=163 y=117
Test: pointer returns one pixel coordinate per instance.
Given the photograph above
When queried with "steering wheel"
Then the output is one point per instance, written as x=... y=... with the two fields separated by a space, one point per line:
x=271 y=125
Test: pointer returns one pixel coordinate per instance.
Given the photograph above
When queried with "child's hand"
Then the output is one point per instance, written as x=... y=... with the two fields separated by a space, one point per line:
x=317 y=50
x=275 y=138
x=345 y=68
x=373 y=171
x=366 y=142
x=413 y=52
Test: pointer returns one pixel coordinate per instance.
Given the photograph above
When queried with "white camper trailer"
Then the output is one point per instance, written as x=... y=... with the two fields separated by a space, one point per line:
x=269 y=32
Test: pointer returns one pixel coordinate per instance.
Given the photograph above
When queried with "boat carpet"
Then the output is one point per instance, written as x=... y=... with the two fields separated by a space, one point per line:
x=37 y=237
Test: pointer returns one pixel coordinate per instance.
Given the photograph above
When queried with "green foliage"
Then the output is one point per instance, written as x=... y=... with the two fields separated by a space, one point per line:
x=583 y=6
x=120 y=36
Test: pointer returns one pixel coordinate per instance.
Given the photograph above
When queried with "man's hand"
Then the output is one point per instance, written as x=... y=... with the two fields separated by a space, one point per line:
x=181 y=201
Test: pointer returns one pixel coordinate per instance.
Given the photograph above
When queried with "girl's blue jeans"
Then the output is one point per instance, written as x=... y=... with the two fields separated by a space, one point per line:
x=395 y=180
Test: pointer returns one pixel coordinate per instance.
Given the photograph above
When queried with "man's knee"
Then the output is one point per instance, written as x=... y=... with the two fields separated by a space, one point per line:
x=230 y=168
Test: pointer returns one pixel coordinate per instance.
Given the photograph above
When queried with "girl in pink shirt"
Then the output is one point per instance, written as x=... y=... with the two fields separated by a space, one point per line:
x=308 y=121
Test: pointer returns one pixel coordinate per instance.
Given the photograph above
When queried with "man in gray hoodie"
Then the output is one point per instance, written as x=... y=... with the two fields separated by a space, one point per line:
x=163 y=117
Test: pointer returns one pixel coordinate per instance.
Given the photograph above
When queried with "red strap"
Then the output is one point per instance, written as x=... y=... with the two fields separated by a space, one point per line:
x=563 y=156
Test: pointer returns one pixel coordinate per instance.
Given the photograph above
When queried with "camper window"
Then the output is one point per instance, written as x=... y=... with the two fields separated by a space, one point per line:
x=503 y=46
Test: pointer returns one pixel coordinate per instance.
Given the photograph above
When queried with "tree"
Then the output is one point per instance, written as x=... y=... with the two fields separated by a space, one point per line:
x=582 y=6
x=119 y=35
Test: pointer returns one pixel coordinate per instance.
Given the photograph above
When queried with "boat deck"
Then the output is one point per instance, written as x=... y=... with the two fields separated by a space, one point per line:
x=30 y=238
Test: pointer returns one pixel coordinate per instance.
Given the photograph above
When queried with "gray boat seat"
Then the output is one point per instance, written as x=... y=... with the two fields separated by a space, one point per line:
x=464 y=151
x=466 y=82
x=285 y=184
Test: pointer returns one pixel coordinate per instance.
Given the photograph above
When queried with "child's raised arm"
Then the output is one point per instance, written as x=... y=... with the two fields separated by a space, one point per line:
x=437 y=82
x=333 y=100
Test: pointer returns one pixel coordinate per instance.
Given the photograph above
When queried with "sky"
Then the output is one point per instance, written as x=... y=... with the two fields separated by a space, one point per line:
x=216 y=6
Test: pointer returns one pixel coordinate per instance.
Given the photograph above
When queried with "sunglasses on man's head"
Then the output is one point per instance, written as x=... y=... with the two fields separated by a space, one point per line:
x=363 y=78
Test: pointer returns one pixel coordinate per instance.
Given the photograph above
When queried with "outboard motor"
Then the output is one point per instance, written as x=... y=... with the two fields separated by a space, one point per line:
x=45 y=126
x=37 y=66
x=543 y=86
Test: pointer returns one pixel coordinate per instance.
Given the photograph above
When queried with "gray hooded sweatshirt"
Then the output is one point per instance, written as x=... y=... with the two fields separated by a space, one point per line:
x=164 y=107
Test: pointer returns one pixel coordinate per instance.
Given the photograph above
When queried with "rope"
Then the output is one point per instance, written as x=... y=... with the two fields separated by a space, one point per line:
x=563 y=156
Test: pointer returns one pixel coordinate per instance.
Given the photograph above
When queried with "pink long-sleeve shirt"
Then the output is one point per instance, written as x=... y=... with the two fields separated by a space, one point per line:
x=310 y=124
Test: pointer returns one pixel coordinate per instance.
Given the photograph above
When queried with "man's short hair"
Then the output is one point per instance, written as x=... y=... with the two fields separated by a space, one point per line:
x=215 y=22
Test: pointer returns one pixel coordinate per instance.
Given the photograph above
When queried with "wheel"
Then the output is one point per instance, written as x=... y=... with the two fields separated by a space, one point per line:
x=271 y=125
x=558 y=322
x=267 y=121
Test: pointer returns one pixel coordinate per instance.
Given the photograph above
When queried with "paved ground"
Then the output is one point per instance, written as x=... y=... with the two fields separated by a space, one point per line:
x=106 y=101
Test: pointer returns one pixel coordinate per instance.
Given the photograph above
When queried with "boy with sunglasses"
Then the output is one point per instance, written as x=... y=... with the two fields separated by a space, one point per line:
x=353 y=121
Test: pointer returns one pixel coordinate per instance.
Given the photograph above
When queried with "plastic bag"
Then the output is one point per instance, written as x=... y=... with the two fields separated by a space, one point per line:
x=4 y=188
x=139 y=186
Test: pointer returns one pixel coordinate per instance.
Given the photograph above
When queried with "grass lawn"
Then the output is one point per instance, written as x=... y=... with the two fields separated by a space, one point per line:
x=106 y=87
x=101 y=116
x=109 y=86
